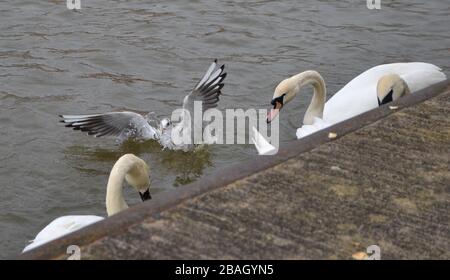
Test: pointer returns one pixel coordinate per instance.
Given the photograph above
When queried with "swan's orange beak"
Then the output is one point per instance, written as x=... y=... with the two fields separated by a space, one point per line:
x=274 y=112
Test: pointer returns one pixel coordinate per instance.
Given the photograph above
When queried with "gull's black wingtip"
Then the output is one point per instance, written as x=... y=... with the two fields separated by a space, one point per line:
x=61 y=117
x=215 y=60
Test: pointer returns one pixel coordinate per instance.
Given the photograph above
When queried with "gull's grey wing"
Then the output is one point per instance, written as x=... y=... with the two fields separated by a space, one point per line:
x=125 y=123
x=208 y=89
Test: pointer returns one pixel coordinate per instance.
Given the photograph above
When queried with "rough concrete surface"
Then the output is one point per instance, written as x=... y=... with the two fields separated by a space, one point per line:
x=386 y=183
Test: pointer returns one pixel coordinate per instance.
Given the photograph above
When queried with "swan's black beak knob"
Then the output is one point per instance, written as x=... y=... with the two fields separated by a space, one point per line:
x=146 y=195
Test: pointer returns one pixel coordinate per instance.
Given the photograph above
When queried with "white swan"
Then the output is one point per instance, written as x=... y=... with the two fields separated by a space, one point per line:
x=130 y=168
x=126 y=124
x=370 y=89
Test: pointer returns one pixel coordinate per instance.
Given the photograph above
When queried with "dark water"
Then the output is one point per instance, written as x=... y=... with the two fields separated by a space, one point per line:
x=134 y=55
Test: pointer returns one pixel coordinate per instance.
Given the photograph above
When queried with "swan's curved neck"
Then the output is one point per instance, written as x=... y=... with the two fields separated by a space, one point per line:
x=114 y=194
x=315 y=108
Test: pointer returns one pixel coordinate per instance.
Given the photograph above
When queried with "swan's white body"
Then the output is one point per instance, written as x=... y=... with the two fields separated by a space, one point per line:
x=308 y=129
x=62 y=226
x=360 y=94
x=130 y=168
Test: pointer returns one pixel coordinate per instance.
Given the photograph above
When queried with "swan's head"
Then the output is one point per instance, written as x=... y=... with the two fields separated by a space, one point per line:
x=138 y=176
x=284 y=93
x=391 y=87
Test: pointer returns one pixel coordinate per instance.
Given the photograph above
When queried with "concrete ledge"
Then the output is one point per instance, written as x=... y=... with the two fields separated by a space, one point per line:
x=383 y=180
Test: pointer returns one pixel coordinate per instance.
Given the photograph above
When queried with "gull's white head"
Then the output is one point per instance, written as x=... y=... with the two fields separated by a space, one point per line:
x=391 y=87
x=165 y=124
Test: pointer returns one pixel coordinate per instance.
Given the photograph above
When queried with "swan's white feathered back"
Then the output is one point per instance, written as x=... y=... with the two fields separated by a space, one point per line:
x=60 y=227
x=359 y=95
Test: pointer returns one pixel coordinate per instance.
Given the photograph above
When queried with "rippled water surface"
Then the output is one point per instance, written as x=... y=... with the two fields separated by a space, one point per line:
x=133 y=55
